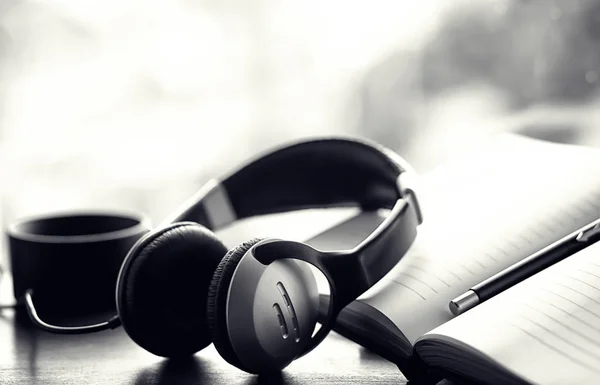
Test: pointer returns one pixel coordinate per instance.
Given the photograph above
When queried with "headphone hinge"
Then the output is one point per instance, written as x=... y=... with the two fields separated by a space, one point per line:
x=217 y=205
x=406 y=184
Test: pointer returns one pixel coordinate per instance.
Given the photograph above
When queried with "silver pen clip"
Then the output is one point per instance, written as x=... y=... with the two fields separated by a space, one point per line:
x=588 y=234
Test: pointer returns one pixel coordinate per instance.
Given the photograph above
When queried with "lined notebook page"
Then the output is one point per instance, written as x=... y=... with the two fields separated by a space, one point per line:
x=546 y=329
x=482 y=214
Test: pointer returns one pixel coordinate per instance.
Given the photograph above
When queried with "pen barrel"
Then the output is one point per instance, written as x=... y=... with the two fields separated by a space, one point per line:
x=525 y=269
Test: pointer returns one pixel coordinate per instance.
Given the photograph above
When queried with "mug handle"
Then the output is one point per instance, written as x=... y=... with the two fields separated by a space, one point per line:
x=112 y=323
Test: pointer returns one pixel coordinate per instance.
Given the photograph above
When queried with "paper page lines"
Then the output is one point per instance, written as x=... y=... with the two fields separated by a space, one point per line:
x=588 y=273
x=573 y=302
x=562 y=353
x=583 y=282
x=490 y=256
x=525 y=239
x=419 y=280
x=577 y=291
x=586 y=323
x=587 y=352
x=409 y=288
x=440 y=266
x=466 y=268
x=536 y=232
x=427 y=272
x=564 y=325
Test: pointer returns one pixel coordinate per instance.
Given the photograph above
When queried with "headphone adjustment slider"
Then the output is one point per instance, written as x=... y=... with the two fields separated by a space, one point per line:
x=407 y=187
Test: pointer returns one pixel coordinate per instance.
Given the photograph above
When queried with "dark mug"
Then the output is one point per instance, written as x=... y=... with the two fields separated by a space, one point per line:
x=70 y=262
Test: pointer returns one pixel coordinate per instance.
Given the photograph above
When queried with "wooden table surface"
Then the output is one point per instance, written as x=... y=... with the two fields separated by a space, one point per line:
x=31 y=356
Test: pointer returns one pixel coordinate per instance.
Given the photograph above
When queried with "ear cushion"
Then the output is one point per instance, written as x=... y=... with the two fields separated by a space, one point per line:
x=161 y=291
x=217 y=302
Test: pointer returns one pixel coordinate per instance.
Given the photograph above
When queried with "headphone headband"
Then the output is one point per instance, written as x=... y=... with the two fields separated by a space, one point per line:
x=331 y=172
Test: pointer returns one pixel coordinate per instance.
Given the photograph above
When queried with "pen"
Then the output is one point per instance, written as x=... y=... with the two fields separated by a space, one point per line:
x=529 y=266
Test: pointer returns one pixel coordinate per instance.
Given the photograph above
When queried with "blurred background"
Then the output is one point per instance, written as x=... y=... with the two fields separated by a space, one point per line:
x=135 y=104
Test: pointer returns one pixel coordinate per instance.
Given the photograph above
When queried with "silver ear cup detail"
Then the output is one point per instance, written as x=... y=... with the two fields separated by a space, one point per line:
x=259 y=316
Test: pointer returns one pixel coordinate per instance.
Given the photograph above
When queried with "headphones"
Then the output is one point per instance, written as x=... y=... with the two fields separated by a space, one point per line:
x=179 y=288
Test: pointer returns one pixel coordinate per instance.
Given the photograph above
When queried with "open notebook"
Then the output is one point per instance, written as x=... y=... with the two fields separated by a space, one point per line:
x=545 y=330
x=483 y=212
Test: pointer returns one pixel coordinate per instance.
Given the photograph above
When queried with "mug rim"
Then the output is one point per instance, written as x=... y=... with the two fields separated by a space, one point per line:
x=142 y=223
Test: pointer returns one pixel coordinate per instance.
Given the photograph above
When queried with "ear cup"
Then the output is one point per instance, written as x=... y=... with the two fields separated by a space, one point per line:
x=161 y=291
x=217 y=302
